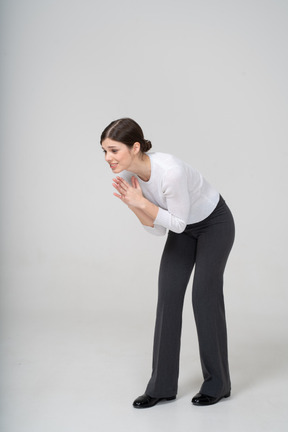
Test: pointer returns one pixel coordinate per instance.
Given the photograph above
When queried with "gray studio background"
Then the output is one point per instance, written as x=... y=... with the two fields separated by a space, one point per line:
x=207 y=81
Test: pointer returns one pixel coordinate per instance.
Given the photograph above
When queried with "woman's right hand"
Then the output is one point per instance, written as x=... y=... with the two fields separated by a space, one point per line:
x=129 y=194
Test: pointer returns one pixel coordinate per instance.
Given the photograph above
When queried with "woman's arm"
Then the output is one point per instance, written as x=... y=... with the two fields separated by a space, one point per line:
x=143 y=218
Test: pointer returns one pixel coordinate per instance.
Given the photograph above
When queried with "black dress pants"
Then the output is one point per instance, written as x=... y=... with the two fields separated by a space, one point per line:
x=206 y=245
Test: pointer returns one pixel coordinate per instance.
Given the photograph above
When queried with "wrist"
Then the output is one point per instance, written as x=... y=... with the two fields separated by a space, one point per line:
x=149 y=208
x=142 y=203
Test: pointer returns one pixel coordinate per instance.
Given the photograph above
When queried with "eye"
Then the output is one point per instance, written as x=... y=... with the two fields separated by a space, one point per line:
x=114 y=151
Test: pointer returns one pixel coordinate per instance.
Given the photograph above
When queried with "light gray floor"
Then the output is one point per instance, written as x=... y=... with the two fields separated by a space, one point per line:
x=81 y=372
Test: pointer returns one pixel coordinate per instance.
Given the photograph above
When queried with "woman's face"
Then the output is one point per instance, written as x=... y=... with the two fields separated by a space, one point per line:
x=118 y=155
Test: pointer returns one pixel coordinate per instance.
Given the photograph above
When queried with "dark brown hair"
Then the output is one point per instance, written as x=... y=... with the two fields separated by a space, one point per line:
x=126 y=131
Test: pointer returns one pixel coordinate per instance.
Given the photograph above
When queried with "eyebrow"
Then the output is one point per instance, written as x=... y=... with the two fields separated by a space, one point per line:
x=111 y=146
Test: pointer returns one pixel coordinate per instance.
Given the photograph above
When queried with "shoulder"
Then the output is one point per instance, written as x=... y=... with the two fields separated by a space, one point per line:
x=166 y=162
x=170 y=171
x=163 y=157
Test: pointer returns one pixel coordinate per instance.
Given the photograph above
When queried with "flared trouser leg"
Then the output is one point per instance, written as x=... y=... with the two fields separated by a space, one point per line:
x=206 y=244
x=213 y=248
x=175 y=270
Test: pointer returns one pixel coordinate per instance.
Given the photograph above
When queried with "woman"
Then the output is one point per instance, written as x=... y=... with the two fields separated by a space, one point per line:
x=168 y=194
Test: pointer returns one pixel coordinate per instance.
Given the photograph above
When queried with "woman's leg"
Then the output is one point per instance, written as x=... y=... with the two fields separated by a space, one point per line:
x=175 y=270
x=215 y=239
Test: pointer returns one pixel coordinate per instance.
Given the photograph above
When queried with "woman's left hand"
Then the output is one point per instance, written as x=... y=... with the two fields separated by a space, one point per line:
x=129 y=194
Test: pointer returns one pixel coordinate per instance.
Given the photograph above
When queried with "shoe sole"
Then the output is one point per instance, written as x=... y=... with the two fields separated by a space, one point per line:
x=212 y=403
x=151 y=405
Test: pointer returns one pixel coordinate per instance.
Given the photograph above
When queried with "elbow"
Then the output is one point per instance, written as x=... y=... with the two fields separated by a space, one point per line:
x=159 y=233
x=156 y=230
x=159 y=230
x=177 y=225
x=180 y=228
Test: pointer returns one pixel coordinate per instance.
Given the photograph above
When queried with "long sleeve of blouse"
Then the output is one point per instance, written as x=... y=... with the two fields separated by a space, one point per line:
x=181 y=193
x=176 y=194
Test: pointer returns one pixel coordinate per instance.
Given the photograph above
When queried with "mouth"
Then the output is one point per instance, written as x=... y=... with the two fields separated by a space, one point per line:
x=113 y=166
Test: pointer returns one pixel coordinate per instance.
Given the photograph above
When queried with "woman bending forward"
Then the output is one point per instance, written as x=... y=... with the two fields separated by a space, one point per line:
x=166 y=193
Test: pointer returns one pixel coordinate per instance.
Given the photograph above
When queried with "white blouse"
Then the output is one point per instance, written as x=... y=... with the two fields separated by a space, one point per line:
x=182 y=194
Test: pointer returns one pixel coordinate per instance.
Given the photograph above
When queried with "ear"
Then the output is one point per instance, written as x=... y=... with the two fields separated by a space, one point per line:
x=136 y=148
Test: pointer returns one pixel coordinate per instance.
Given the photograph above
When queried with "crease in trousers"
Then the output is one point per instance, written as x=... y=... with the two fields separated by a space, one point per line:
x=206 y=246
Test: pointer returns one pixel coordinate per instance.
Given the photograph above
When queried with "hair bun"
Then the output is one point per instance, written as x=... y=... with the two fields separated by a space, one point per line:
x=146 y=146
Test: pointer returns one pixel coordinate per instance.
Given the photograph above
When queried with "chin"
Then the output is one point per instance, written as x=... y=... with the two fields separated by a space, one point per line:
x=118 y=170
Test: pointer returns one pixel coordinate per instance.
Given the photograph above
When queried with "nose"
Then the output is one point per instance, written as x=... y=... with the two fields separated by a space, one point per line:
x=107 y=157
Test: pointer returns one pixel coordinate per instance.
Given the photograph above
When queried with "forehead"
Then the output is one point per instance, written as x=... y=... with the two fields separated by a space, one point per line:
x=109 y=143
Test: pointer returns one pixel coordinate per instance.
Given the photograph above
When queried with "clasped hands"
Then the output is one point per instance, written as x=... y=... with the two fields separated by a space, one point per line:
x=129 y=194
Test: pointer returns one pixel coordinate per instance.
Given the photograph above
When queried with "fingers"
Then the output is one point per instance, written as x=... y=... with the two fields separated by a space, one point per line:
x=133 y=181
x=136 y=183
x=116 y=187
x=120 y=186
x=117 y=195
x=125 y=191
x=122 y=182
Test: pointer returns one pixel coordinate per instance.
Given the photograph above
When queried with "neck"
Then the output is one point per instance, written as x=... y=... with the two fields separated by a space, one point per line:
x=142 y=168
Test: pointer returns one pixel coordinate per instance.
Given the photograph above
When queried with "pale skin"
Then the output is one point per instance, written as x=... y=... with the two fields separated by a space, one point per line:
x=120 y=157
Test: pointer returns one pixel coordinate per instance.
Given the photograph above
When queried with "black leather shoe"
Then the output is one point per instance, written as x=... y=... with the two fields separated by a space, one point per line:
x=146 y=401
x=203 y=400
